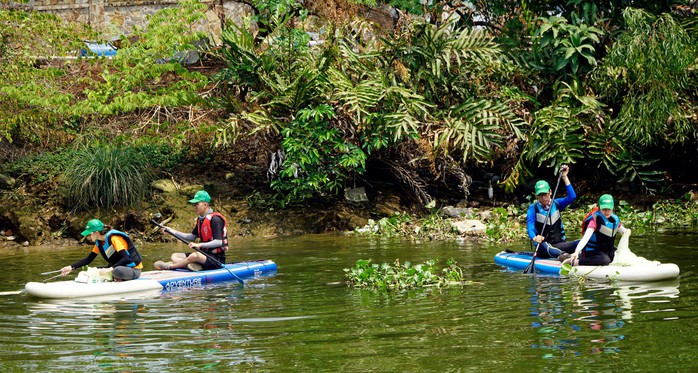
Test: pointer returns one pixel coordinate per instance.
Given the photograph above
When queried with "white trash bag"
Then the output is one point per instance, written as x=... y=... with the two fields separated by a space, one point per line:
x=625 y=257
x=93 y=276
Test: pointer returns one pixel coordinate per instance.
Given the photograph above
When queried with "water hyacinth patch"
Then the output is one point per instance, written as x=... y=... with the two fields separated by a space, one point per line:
x=368 y=275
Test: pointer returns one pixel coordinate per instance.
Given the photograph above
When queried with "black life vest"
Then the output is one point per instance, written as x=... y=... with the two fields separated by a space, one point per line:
x=108 y=251
x=554 y=229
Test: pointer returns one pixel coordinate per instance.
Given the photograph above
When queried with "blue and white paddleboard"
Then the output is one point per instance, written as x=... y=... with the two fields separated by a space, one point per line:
x=152 y=280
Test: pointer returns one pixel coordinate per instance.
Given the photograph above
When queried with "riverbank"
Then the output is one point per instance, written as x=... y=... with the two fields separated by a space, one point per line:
x=36 y=217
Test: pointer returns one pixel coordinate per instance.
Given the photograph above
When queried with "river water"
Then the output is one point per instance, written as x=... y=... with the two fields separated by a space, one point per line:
x=304 y=318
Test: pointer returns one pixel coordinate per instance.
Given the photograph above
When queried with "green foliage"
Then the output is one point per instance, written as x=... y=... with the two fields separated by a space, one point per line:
x=317 y=159
x=558 y=132
x=41 y=167
x=164 y=156
x=30 y=90
x=668 y=213
x=271 y=79
x=141 y=74
x=401 y=277
x=435 y=79
x=105 y=176
x=392 y=226
x=40 y=94
x=433 y=226
x=560 y=46
x=504 y=224
x=424 y=83
x=648 y=72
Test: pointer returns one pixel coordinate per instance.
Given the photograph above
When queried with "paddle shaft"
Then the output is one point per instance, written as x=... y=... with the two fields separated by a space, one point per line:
x=206 y=255
x=52 y=277
x=531 y=266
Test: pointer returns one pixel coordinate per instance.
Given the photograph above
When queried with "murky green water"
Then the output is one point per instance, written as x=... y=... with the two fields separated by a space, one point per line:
x=304 y=319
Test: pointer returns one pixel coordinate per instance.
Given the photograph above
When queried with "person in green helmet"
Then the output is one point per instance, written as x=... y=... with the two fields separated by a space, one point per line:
x=211 y=229
x=596 y=248
x=549 y=238
x=115 y=247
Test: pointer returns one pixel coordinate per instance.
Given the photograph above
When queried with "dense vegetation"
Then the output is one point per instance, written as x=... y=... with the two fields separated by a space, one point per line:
x=403 y=276
x=498 y=87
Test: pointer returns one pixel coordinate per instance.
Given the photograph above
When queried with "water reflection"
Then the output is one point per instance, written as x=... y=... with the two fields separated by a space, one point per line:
x=147 y=328
x=573 y=318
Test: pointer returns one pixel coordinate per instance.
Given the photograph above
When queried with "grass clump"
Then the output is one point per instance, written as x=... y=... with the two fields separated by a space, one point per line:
x=105 y=176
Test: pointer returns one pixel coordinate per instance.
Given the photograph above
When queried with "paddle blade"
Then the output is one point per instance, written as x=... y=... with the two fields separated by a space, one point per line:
x=531 y=268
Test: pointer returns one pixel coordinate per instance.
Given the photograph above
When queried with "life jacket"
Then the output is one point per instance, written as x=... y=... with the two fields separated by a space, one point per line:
x=605 y=233
x=203 y=226
x=585 y=221
x=108 y=251
x=554 y=230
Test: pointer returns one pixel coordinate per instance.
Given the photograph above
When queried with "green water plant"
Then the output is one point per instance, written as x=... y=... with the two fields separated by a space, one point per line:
x=106 y=176
x=403 y=276
x=505 y=224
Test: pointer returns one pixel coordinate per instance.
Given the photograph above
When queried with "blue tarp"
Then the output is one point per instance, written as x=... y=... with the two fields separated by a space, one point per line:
x=98 y=49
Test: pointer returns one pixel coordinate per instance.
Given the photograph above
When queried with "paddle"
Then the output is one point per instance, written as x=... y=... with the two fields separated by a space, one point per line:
x=208 y=256
x=52 y=277
x=531 y=268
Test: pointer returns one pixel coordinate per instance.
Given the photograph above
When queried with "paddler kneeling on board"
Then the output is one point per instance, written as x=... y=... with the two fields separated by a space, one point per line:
x=596 y=248
x=211 y=228
x=544 y=223
x=115 y=247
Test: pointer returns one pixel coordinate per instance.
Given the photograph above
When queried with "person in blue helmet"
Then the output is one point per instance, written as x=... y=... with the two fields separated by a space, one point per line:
x=596 y=248
x=550 y=237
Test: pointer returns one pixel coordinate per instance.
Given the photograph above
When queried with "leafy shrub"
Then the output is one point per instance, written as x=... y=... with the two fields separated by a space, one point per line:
x=317 y=159
x=38 y=168
x=164 y=156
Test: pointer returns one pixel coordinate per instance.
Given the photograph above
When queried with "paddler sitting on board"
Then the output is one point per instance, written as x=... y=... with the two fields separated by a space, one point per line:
x=210 y=228
x=600 y=229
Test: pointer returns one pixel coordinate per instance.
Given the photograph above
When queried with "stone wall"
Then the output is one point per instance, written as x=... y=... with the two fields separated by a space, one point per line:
x=120 y=17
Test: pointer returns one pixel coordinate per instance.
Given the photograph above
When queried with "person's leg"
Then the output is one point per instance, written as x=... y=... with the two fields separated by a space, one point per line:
x=595 y=258
x=123 y=273
x=567 y=246
x=178 y=257
x=547 y=251
x=210 y=264
x=181 y=260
